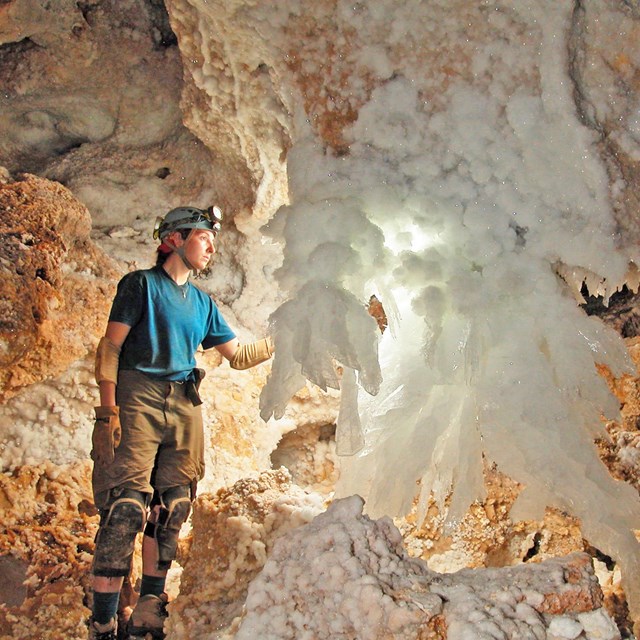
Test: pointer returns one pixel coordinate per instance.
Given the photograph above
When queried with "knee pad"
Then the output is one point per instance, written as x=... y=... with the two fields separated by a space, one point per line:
x=120 y=521
x=175 y=506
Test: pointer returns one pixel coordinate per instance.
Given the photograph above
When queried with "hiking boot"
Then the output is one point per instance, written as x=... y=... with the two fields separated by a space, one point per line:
x=148 y=616
x=99 y=631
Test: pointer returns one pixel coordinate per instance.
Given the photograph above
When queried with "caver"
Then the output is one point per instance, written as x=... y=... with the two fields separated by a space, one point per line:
x=148 y=445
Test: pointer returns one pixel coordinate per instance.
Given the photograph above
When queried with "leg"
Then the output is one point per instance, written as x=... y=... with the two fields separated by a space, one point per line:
x=153 y=578
x=122 y=489
x=178 y=464
x=107 y=585
x=150 y=553
x=159 y=548
x=106 y=593
x=121 y=519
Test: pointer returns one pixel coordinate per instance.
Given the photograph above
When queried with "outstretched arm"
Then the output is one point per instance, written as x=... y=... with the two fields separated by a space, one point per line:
x=244 y=356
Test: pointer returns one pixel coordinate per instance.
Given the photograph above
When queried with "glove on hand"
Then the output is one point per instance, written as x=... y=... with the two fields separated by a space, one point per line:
x=249 y=355
x=106 y=434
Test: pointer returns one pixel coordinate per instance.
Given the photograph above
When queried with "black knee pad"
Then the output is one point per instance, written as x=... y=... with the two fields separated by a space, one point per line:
x=120 y=521
x=175 y=506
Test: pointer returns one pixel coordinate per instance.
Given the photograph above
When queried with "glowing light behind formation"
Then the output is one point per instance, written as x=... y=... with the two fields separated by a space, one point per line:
x=456 y=212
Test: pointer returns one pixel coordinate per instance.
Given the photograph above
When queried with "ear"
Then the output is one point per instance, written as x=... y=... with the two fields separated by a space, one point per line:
x=174 y=239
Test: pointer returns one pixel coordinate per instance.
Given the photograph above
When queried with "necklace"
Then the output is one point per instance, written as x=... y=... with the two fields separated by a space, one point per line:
x=183 y=288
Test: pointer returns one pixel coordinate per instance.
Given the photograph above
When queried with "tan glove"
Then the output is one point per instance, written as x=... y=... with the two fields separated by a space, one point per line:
x=107 y=361
x=249 y=355
x=107 y=433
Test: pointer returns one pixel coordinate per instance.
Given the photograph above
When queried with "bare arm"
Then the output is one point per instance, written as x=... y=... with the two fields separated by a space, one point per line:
x=228 y=349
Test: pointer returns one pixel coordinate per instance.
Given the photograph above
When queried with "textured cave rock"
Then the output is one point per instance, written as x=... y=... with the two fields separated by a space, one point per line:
x=316 y=55
x=55 y=285
x=605 y=70
x=309 y=454
x=96 y=99
x=47 y=526
x=240 y=444
x=253 y=536
x=91 y=98
x=49 y=523
x=622 y=311
x=233 y=533
x=622 y=451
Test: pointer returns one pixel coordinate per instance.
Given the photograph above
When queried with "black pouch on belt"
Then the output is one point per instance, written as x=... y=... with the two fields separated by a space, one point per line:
x=193 y=386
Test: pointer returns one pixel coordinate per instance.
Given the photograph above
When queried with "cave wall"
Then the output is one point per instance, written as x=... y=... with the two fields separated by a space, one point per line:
x=113 y=112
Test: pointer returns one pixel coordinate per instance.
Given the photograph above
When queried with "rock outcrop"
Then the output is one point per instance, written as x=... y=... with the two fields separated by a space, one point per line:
x=55 y=284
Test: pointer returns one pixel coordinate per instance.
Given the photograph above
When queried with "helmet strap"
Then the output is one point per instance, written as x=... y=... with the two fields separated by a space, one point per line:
x=181 y=252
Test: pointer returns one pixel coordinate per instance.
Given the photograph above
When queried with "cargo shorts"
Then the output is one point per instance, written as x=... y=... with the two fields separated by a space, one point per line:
x=162 y=442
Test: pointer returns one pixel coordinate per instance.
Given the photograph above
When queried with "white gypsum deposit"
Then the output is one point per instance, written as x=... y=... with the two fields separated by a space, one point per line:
x=433 y=206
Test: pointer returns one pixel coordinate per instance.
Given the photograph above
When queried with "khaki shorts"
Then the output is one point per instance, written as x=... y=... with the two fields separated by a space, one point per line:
x=162 y=442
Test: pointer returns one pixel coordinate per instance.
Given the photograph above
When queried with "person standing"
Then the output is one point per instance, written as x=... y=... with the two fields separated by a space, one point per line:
x=148 y=443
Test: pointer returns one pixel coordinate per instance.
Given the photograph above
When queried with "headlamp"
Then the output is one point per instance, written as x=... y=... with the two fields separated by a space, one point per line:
x=157 y=226
x=214 y=213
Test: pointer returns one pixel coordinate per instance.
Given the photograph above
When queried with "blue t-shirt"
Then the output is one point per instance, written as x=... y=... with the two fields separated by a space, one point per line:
x=168 y=323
